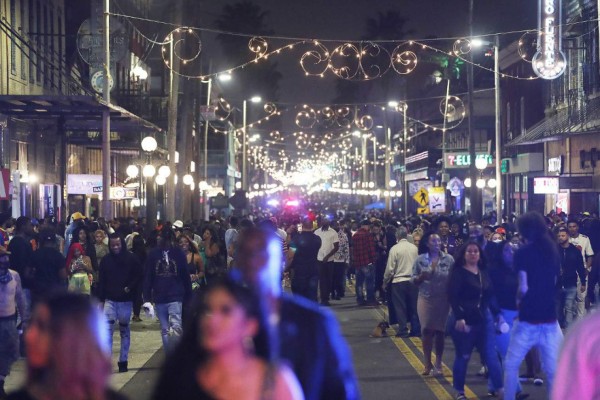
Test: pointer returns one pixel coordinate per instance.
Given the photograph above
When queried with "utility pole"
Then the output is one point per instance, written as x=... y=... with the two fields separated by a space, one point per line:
x=473 y=173
x=171 y=187
x=106 y=204
x=498 y=135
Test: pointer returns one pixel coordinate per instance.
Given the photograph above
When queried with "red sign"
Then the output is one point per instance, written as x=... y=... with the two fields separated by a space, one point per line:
x=4 y=184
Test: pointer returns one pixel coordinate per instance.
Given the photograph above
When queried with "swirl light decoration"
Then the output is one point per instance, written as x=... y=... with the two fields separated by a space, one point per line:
x=259 y=46
x=182 y=50
x=357 y=61
x=528 y=45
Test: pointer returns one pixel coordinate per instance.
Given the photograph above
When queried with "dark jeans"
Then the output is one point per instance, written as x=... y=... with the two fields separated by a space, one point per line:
x=305 y=287
x=380 y=265
x=325 y=279
x=137 y=300
x=392 y=319
x=365 y=276
x=481 y=336
x=338 y=289
x=404 y=300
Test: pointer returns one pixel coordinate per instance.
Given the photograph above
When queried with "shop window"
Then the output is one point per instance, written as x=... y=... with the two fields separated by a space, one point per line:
x=525 y=184
x=517 y=184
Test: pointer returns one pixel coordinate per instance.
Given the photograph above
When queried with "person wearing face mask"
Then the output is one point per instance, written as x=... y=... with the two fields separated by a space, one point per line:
x=120 y=275
x=12 y=299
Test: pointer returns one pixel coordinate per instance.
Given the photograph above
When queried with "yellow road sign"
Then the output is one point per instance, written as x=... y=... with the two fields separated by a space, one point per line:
x=423 y=210
x=422 y=197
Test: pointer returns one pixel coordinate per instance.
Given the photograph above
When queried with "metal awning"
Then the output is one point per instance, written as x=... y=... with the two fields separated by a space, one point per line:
x=566 y=122
x=78 y=112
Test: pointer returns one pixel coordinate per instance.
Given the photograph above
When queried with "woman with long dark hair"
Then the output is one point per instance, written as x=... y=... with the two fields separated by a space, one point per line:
x=216 y=264
x=225 y=352
x=194 y=261
x=68 y=356
x=430 y=273
x=473 y=303
x=538 y=267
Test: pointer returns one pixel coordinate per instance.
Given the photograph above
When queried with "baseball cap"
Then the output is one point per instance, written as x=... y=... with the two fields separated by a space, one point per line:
x=77 y=215
x=178 y=224
x=365 y=222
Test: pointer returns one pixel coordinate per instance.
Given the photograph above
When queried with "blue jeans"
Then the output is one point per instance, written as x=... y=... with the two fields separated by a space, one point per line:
x=119 y=311
x=9 y=344
x=482 y=337
x=365 y=276
x=502 y=340
x=169 y=316
x=568 y=306
x=547 y=338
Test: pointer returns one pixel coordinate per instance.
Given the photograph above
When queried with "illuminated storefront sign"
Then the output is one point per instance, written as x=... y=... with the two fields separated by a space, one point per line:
x=463 y=160
x=549 y=61
x=545 y=185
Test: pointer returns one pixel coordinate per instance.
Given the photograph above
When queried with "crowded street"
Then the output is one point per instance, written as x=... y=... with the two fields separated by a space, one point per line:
x=385 y=366
x=296 y=200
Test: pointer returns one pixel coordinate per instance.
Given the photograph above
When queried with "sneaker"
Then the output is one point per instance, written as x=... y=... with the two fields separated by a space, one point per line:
x=136 y=319
x=460 y=396
x=482 y=371
x=538 y=381
x=525 y=378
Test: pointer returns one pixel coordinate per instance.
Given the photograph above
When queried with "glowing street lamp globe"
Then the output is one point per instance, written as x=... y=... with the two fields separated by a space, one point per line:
x=480 y=163
x=149 y=171
x=480 y=183
x=467 y=182
x=132 y=171
x=164 y=171
x=149 y=144
x=188 y=179
x=160 y=180
x=492 y=183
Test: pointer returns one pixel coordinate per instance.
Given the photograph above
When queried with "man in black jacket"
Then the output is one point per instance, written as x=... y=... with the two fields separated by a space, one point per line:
x=325 y=372
x=304 y=264
x=120 y=273
x=571 y=266
x=167 y=282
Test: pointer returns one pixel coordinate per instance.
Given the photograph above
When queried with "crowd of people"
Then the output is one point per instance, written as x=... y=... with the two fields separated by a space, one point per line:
x=218 y=289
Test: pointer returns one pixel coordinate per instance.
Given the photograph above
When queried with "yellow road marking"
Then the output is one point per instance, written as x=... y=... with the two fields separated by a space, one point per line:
x=418 y=365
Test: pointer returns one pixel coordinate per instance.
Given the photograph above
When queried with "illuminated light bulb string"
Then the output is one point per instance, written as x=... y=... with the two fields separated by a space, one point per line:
x=400 y=59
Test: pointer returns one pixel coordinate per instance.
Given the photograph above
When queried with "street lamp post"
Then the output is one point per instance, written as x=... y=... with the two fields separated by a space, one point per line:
x=497 y=135
x=255 y=99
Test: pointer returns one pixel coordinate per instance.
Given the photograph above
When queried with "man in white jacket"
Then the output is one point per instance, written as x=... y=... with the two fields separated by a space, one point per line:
x=403 y=292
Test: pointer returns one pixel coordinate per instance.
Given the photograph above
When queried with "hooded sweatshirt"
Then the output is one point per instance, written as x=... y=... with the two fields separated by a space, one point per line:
x=117 y=272
x=166 y=278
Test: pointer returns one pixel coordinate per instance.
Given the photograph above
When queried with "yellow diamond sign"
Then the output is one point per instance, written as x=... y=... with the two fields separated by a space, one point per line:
x=422 y=197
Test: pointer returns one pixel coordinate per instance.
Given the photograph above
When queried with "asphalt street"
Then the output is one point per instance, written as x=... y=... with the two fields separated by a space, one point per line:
x=387 y=367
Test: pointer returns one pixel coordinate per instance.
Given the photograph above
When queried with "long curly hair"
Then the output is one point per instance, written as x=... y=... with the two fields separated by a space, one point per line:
x=79 y=364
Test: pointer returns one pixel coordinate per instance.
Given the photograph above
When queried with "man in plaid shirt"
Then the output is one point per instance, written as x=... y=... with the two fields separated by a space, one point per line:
x=363 y=260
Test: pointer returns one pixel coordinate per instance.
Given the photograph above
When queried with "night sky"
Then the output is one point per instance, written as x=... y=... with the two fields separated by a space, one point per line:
x=343 y=19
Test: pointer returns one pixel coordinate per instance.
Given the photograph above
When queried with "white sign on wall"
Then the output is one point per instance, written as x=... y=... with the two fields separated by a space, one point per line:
x=82 y=183
x=549 y=62
x=545 y=185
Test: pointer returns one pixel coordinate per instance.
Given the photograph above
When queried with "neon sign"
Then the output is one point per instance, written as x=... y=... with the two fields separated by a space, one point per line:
x=549 y=62
x=463 y=160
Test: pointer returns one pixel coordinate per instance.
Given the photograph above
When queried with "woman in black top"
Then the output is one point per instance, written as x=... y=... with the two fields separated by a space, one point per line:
x=472 y=300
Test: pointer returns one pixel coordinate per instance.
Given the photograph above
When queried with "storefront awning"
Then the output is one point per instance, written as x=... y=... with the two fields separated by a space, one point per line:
x=77 y=112
x=575 y=120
